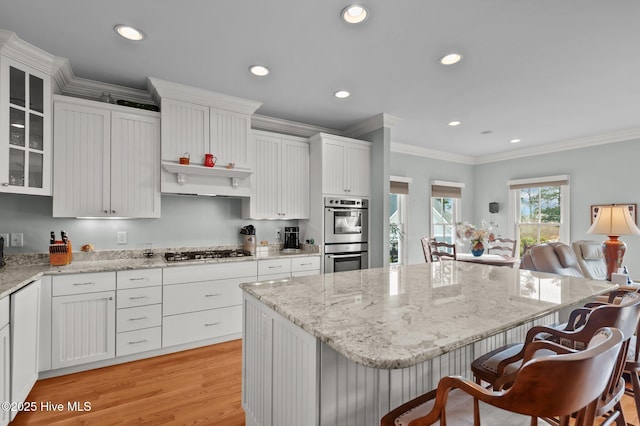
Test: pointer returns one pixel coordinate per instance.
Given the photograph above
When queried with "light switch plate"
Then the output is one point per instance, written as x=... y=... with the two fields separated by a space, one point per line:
x=122 y=237
x=17 y=239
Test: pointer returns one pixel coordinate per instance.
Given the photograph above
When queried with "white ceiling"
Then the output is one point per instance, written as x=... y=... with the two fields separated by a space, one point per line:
x=539 y=70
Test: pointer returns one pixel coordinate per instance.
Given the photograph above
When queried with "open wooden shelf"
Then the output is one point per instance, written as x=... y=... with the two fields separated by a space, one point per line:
x=183 y=171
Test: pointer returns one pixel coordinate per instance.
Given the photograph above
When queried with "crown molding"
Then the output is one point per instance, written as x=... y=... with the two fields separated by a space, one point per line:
x=431 y=153
x=566 y=145
x=374 y=123
x=294 y=128
x=11 y=45
x=166 y=89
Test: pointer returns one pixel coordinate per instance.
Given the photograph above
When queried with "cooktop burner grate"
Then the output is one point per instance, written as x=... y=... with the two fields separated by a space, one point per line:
x=204 y=254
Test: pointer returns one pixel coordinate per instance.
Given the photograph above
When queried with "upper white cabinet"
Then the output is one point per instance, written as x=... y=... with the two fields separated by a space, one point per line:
x=106 y=160
x=280 y=182
x=346 y=165
x=198 y=122
x=25 y=117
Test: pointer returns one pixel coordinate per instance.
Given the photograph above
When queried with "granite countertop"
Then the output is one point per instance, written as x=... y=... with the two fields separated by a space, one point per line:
x=396 y=317
x=23 y=268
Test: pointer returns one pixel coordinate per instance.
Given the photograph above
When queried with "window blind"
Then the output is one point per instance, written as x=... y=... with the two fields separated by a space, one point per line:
x=443 y=191
x=536 y=182
x=398 y=187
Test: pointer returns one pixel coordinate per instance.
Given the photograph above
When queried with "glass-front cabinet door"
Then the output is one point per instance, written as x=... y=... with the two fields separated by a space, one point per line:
x=25 y=141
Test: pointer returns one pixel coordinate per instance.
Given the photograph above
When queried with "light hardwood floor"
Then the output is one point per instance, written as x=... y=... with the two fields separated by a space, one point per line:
x=196 y=387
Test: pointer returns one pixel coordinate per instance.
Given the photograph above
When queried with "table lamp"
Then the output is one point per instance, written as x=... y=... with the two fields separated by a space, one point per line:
x=613 y=221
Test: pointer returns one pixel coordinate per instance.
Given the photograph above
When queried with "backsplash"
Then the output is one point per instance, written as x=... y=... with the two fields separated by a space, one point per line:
x=186 y=221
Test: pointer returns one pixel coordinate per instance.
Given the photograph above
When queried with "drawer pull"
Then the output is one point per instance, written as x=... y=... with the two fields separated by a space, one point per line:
x=213 y=295
x=137 y=279
x=274 y=267
x=138 y=318
x=137 y=342
x=138 y=297
x=211 y=324
x=306 y=264
x=89 y=283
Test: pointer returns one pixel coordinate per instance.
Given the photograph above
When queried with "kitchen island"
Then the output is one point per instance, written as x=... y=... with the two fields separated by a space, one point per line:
x=345 y=348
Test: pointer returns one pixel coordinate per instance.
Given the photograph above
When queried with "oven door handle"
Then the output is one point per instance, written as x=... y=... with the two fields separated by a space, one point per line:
x=342 y=256
x=344 y=210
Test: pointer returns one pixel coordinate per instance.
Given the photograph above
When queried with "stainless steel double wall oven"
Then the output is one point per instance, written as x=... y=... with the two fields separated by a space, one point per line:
x=346 y=234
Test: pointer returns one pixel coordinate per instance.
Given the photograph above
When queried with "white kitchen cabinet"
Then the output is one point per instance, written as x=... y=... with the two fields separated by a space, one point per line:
x=83 y=311
x=139 y=311
x=199 y=122
x=303 y=266
x=280 y=182
x=106 y=160
x=25 y=119
x=204 y=301
x=5 y=359
x=24 y=324
x=346 y=165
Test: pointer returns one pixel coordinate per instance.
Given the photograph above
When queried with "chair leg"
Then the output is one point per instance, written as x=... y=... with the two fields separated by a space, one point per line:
x=635 y=384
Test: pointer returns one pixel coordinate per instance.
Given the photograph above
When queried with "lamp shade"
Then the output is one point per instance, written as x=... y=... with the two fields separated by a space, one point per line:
x=614 y=220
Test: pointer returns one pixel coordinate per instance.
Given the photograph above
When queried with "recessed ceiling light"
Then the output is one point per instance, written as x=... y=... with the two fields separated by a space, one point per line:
x=129 y=32
x=454 y=123
x=259 y=70
x=17 y=125
x=450 y=59
x=341 y=94
x=354 y=14
x=514 y=140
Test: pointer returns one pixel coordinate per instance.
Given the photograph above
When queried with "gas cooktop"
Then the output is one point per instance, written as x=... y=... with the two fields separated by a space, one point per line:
x=204 y=254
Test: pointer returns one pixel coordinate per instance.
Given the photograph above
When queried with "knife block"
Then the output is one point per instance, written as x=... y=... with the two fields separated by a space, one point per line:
x=60 y=254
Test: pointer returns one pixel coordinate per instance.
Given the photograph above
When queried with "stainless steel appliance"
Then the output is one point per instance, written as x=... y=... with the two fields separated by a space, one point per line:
x=345 y=257
x=346 y=220
x=346 y=232
x=291 y=237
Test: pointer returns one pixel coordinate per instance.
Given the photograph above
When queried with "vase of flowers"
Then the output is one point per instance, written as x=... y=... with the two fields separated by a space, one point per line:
x=475 y=235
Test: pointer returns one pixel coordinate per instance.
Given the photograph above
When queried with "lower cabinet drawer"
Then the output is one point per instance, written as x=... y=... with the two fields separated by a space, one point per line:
x=311 y=263
x=132 y=342
x=139 y=297
x=200 y=296
x=274 y=277
x=136 y=318
x=194 y=326
x=65 y=285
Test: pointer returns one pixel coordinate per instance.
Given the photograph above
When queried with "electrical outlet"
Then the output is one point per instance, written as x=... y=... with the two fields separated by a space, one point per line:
x=278 y=234
x=17 y=239
x=6 y=239
x=122 y=237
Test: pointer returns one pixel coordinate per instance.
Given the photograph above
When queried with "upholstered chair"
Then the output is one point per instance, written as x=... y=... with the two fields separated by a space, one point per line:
x=556 y=258
x=590 y=259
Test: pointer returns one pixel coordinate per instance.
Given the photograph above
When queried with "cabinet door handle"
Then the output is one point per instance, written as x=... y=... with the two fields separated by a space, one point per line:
x=5 y=184
x=138 y=297
x=113 y=211
x=213 y=295
x=88 y=283
x=138 y=319
x=138 y=341
x=211 y=324
x=106 y=211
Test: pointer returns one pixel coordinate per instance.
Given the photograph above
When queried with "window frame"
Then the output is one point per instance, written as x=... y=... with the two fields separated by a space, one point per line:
x=457 y=205
x=403 y=251
x=563 y=181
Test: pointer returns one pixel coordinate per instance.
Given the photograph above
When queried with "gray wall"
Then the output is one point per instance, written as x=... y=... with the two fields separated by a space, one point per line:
x=601 y=174
x=423 y=171
x=186 y=221
x=379 y=200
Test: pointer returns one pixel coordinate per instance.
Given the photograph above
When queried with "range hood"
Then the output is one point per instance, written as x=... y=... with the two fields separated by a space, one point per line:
x=199 y=180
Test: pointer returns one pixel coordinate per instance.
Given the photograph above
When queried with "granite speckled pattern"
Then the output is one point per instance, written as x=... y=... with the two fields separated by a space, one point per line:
x=21 y=269
x=399 y=316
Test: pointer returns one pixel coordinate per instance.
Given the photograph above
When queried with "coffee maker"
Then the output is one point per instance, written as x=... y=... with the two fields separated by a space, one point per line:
x=291 y=237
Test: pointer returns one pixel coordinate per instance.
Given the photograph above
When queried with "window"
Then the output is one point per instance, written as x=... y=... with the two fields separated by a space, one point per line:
x=540 y=210
x=446 y=198
x=399 y=191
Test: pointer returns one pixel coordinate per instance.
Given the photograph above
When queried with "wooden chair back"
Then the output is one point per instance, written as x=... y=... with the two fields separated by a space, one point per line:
x=505 y=246
x=546 y=386
x=426 y=249
x=441 y=250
